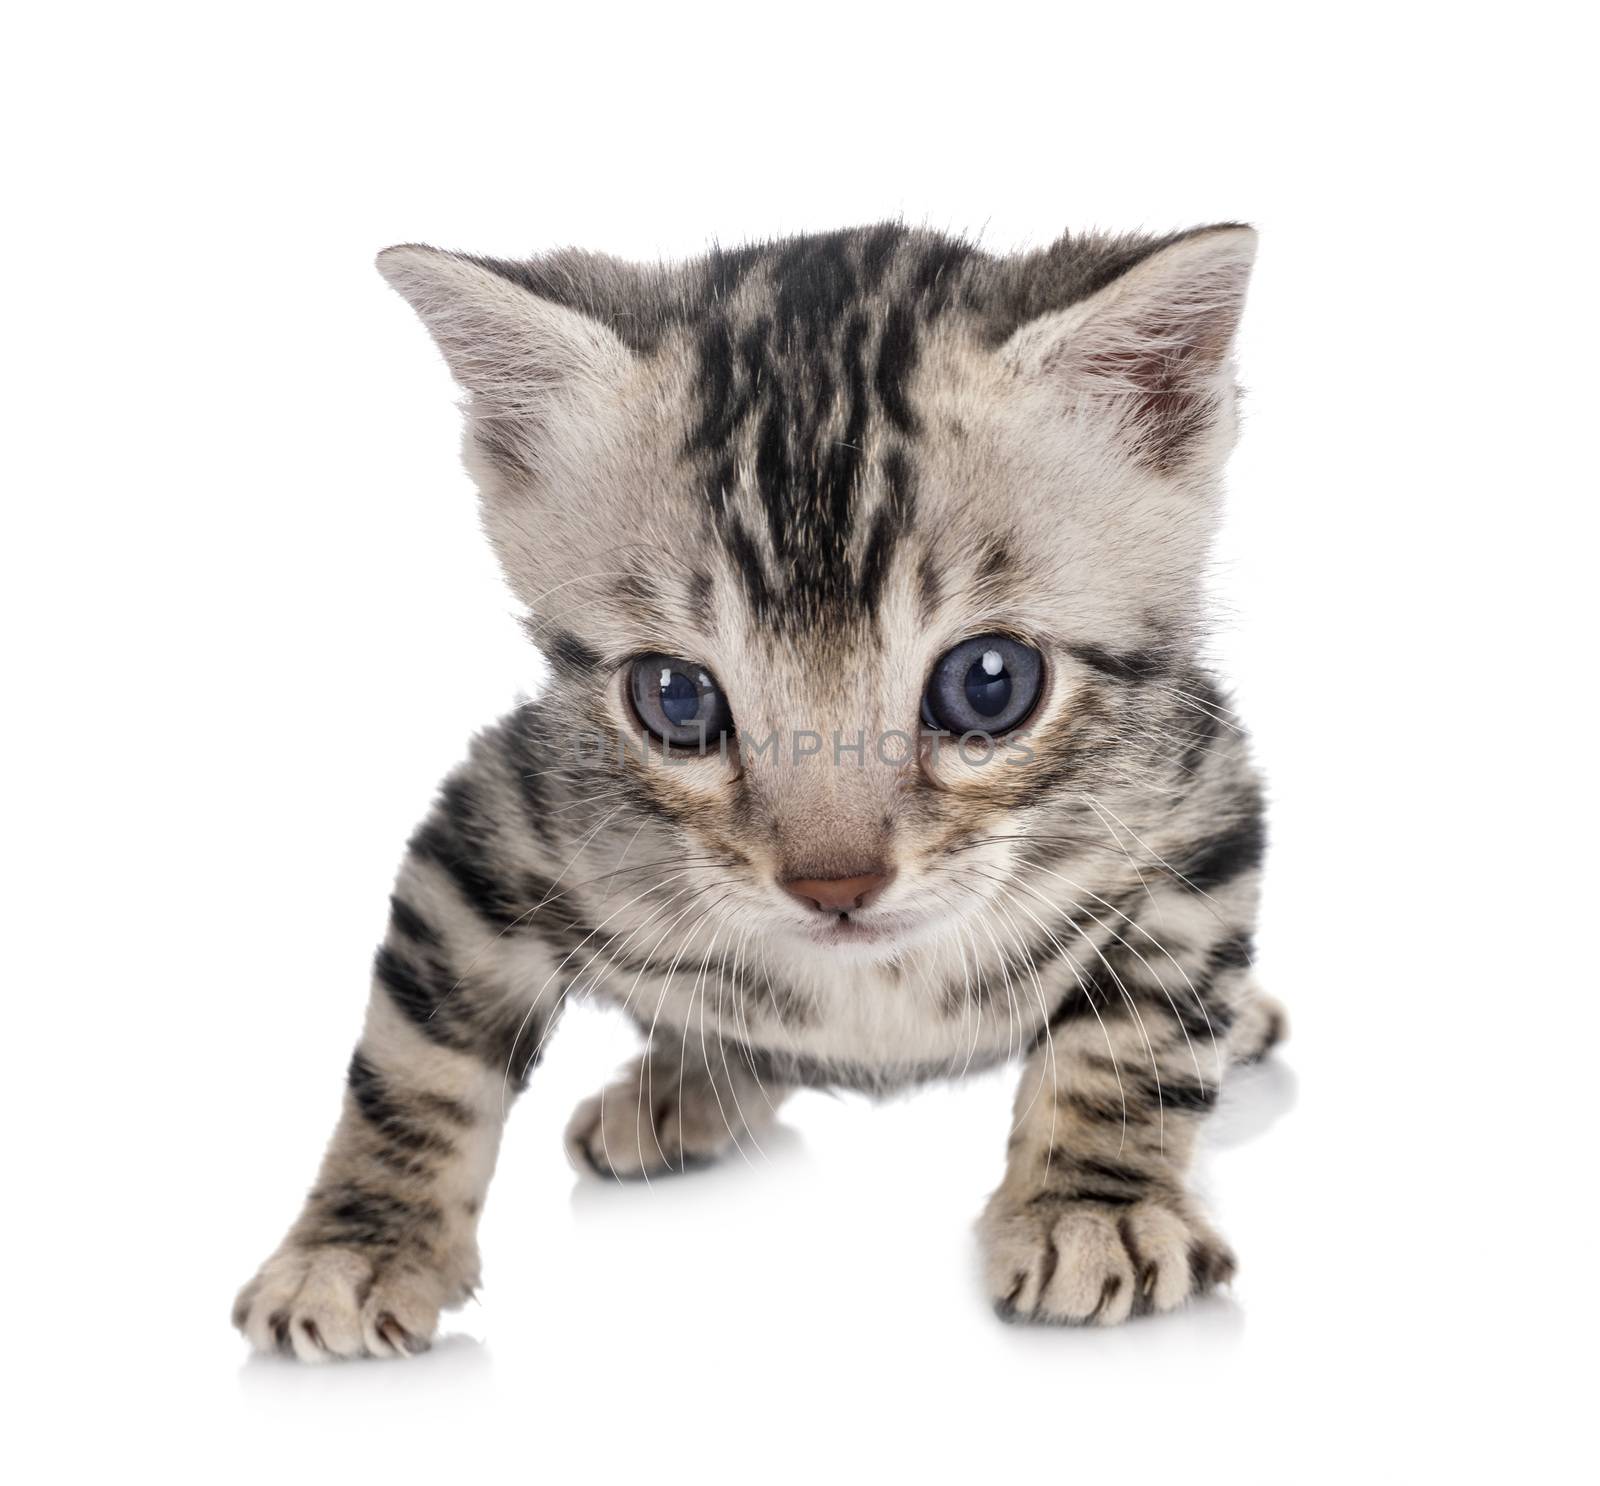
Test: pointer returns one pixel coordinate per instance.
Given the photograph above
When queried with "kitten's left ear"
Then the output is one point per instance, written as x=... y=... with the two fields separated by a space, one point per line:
x=1152 y=348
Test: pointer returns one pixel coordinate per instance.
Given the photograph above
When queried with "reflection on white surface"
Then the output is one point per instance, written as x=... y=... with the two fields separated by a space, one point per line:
x=455 y=1360
x=1254 y=1099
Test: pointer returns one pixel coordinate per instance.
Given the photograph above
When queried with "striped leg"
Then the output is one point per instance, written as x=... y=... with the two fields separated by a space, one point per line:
x=1093 y=1223
x=458 y=1013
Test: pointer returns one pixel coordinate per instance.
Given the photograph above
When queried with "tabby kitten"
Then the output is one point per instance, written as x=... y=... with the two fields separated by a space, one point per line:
x=869 y=569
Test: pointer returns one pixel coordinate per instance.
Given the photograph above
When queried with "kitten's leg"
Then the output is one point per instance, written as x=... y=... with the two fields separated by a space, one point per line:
x=461 y=1003
x=1093 y=1222
x=679 y=1105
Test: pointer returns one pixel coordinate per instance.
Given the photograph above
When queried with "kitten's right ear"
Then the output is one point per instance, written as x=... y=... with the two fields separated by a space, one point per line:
x=515 y=352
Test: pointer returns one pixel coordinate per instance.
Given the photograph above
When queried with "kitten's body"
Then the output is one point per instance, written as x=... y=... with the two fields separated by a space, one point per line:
x=815 y=466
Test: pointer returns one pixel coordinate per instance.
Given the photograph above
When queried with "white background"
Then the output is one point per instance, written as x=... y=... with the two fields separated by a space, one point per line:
x=249 y=623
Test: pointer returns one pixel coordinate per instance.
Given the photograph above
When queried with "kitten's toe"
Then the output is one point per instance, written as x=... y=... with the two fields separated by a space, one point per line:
x=612 y=1138
x=647 y=1124
x=1090 y=1263
x=318 y=1304
x=1262 y=1024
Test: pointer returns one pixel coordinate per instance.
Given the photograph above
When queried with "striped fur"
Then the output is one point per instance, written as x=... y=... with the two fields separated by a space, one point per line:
x=814 y=466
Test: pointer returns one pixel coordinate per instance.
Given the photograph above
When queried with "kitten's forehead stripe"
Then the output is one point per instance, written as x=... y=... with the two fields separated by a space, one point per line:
x=801 y=384
x=803 y=434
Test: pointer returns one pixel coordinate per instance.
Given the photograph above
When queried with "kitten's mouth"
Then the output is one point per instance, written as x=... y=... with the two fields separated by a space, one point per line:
x=851 y=929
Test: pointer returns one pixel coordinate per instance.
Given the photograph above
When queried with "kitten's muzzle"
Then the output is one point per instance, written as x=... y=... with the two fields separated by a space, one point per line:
x=837 y=894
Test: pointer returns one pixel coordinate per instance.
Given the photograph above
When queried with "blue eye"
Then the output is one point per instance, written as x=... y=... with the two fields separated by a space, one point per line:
x=680 y=697
x=679 y=701
x=987 y=684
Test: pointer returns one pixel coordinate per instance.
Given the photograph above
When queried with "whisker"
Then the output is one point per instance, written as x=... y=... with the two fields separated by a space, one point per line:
x=1128 y=1000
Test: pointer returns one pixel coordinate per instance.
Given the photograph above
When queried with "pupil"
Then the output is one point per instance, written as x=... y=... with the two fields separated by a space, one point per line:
x=988 y=685
x=680 y=698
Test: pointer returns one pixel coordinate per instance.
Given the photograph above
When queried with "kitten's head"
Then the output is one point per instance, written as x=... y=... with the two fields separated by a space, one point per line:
x=834 y=502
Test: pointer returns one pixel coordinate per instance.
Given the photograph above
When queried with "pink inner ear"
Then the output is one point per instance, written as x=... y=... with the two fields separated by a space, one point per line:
x=1163 y=359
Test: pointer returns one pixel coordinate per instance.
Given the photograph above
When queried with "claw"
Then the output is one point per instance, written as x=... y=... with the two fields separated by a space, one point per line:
x=396 y=1335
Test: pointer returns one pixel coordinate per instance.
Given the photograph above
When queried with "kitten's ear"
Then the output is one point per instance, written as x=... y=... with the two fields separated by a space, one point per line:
x=513 y=350
x=1152 y=348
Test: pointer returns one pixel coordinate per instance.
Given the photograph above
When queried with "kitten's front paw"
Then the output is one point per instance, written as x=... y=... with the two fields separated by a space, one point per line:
x=656 y=1120
x=317 y=1303
x=1093 y=1263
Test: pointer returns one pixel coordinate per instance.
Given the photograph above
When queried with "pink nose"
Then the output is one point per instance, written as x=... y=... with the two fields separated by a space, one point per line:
x=836 y=894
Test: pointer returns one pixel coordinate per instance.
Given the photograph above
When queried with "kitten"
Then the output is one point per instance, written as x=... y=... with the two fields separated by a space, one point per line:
x=869 y=570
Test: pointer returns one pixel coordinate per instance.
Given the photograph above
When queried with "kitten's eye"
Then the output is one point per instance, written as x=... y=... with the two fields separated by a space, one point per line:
x=679 y=701
x=987 y=684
